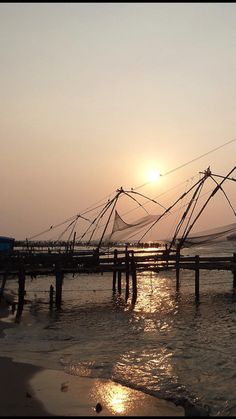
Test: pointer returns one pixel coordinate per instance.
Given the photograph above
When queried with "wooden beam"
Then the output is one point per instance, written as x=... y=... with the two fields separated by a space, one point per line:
x=197 y=260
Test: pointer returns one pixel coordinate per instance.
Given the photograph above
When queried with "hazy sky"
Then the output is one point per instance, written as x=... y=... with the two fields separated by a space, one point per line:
x=93 y=95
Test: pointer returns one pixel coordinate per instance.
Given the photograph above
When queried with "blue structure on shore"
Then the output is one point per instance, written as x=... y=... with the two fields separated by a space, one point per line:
x=6 y=243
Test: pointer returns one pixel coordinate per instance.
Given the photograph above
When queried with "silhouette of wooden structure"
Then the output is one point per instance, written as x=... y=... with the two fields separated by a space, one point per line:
x=29 y=262
x=122 y=263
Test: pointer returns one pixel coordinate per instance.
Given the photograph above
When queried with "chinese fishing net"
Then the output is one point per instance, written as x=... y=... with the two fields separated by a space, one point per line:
x=227 y=232
x=122 y=231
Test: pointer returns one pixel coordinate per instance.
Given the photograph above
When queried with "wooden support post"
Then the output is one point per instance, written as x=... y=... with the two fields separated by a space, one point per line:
x=21 y=293
x=177 y=269
x=166 y=255
x=134 y=279
x=51 y=293
x=59 y=282
x=197 y=278
x=96 y=256
x=73 y=244
x=234 y=280
x=4 y=280
x=127 y=274
x=114 y=271
x=119 y=281
x=234 y=273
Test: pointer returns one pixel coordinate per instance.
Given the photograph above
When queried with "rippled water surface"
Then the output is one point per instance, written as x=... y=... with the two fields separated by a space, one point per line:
x=166 y=344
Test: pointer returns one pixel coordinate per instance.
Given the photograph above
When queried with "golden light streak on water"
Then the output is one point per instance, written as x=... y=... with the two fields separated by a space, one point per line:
x=154 y=296
x=116 y=397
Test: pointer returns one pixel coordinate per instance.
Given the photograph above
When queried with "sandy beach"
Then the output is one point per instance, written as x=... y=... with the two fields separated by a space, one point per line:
x=26 y=390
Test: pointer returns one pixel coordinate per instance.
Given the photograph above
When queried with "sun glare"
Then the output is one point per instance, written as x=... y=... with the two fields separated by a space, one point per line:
x=153 y=175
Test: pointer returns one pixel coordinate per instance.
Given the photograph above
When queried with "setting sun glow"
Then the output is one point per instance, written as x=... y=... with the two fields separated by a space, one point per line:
x=153 y=175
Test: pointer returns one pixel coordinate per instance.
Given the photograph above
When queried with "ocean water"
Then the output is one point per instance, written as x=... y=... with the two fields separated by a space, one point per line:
x=166 y=345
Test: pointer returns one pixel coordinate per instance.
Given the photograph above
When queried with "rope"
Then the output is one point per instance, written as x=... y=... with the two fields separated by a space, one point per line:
x=199 y=157
x=193 y=201
x=205 y=204
x=224 y=195
x=127 y=194
x=168 y=209
x=202 y=284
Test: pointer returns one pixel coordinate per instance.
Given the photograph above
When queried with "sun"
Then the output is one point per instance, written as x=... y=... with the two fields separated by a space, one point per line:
x=153 y=175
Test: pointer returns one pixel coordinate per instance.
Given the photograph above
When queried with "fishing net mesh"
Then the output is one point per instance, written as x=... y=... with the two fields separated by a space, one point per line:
x=122 y=231
x=227 y=232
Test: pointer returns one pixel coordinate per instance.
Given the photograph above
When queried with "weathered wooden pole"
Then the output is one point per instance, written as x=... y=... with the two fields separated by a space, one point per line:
x=166 y=255
x=127 y=269
x=21 y=293
x=234 y=272
x=134 y=279
x=96 y=256
x=4 y=280
x=73 y=244
x=59 y=282
x=234 y=279
x=114 y=270
x=119 y=281
x=177 y=269
x=51 y=293
x=196 y=278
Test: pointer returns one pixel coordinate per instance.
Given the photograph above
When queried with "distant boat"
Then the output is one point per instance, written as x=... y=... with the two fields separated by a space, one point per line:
x=6 y=243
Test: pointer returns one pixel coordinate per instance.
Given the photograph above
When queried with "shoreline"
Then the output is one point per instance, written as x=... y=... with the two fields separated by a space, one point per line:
x=27 y=390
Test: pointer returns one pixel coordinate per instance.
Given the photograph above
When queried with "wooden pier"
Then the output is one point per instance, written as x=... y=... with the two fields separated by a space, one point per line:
x=122 y=263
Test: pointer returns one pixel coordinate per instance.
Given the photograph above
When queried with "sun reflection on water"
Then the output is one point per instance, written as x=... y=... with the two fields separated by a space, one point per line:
x=116 y=397
x=154 y=296
x=154 y=314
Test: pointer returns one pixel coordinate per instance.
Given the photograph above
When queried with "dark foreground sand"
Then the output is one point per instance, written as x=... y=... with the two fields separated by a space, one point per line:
x=15 y=390
x=26 y=390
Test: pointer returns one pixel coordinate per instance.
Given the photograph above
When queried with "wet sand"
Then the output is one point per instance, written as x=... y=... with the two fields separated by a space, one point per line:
x=26 y=390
